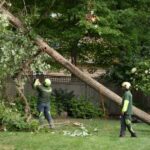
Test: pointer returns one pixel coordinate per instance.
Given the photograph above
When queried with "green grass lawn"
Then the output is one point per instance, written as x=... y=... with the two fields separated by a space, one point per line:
x=104 y=138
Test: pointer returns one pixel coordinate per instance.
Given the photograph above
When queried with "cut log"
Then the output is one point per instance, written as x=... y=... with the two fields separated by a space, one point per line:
x=60 y=59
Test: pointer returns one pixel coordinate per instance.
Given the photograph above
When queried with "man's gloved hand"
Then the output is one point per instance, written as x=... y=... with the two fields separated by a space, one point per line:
x=122 y=113
x=37 y=82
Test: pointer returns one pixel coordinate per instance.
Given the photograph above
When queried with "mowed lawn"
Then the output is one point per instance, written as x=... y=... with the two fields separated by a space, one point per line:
x=103 y=136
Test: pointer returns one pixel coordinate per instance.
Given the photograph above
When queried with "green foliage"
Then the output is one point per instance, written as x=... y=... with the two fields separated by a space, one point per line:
x=14 y=47
x=33 y=125
x=75 y=107
x=12 y=115
x=33 y=106
x=63 y=24
x=141 y=77
x=62 y=99
x=134 y=45
x=15 y=50
x=122 y=25
x=11 y=119
x=53 y=107
x=119 y=32
x=82 y=108
x=137 y=72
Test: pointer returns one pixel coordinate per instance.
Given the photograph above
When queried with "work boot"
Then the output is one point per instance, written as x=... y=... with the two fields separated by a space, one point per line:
x=51 y=125
x=122 y=135
x=133 y=135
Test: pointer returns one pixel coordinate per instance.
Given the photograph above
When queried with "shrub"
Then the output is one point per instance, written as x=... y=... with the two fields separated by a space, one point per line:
x=32 y=125
x=62 y=99
x=12 y=114
x=78 y=108
x=82 y=108
x=11 y=119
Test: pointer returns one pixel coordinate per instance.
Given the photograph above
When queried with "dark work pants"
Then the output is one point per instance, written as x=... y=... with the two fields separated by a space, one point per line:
x=126 y=123
x=44 y=109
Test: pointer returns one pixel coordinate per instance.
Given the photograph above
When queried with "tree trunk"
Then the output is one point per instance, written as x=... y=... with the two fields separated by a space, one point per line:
x=17 y=80
x=91 y=82
x=25 y=101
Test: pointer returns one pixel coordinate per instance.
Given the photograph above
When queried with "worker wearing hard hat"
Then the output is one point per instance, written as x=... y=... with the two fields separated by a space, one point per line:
x=44 y=91
x=126 y=111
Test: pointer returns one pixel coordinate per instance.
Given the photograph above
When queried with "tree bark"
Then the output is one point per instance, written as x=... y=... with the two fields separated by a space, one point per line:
x=91 y=82
x=25 y=101
x=17 y=79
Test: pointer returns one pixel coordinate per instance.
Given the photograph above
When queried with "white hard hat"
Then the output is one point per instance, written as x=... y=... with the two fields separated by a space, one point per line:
x=126 y=85
x=47 y=82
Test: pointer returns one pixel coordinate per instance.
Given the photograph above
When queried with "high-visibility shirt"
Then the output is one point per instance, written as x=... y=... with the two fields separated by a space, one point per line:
x=127 y=102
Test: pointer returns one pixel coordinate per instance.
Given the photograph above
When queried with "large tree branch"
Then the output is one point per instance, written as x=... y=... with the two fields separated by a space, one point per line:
x=26 y=64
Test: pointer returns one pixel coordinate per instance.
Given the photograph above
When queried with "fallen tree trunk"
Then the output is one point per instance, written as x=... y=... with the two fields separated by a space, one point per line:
x=59 y=58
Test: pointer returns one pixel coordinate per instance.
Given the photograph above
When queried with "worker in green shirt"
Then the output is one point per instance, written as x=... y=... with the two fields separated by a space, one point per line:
x=126 y=111
x=43 y=105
